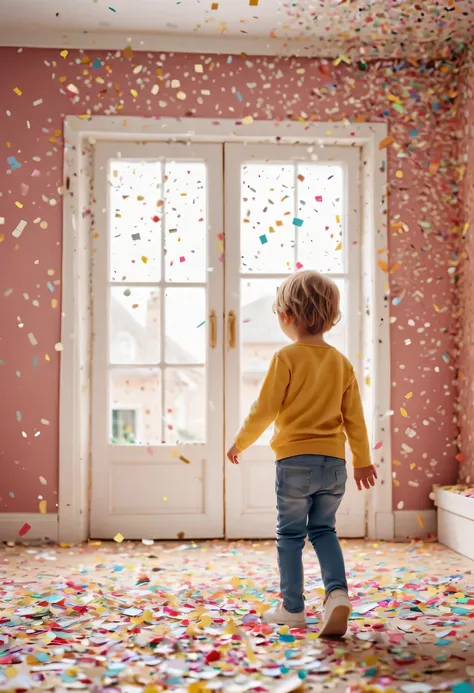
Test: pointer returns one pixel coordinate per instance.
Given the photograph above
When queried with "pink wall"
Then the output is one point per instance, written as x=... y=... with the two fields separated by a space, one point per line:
x=418 y=102
x=466 y=290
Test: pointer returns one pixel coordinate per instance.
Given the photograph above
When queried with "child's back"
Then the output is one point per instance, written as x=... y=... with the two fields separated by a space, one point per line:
x=311 y=394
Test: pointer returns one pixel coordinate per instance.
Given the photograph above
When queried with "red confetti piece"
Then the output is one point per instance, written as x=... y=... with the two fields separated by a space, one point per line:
x=24 y=530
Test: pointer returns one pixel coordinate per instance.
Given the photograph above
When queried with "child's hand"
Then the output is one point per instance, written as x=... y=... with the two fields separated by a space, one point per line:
x=233 y=454
x=365 y=476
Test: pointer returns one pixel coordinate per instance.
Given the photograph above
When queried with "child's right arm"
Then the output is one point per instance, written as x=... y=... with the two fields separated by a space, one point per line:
x=354 y=424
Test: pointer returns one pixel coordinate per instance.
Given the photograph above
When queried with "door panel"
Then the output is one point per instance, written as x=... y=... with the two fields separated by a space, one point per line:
x=287 y=207
x=157 y=404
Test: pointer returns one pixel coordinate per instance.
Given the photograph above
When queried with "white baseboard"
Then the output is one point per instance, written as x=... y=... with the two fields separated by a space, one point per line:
x=43 y=527
x=414 y=524
x=455 y=521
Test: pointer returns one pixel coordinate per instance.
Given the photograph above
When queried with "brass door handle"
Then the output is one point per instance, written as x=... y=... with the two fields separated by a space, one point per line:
x=231 y=320
x=212 y=329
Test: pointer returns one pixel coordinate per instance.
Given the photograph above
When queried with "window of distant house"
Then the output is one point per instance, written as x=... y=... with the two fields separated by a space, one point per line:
x=124 y=348
x=124 y=426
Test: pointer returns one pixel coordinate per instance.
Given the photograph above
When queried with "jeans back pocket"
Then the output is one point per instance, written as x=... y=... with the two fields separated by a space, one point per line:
x=294 y=483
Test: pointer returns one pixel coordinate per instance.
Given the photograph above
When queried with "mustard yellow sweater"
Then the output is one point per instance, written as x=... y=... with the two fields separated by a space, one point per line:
x=311 y=393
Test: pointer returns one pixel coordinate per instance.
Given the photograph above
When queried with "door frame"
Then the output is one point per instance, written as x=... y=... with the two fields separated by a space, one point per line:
x=80 y=136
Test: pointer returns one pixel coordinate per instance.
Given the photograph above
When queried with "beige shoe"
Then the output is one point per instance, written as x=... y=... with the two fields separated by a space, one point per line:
x=282 y=617
x=337 y=609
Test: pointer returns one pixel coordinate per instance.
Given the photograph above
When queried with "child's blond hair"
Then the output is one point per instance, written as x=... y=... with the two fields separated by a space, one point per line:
x=311 y=300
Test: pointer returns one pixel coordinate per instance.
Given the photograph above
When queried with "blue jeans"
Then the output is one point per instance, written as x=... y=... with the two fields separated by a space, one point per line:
x=309 y=491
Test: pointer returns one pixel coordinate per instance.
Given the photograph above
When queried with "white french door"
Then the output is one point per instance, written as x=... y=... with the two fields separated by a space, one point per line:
x=183 y=332
x=157 y=396
x=287 y=207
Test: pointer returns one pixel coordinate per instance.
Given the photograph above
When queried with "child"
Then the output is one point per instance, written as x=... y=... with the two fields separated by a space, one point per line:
x=311 y=393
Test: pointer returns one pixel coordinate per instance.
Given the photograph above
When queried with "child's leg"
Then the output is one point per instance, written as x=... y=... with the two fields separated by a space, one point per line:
x=293 y=500
x=321 y=526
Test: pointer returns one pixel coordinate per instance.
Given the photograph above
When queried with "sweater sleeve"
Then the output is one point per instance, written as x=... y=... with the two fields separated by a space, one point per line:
x=354 y=424
x=265 y=409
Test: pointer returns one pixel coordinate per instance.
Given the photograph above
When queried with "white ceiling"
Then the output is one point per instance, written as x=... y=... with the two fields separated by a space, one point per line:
x=303 y=27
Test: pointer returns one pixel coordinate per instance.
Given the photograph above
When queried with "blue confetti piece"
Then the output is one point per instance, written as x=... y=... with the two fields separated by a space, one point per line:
x=263 y=239
x=297 y=222
x=97 y=63
x=239 y=96
x=13 y=163
x=229 y=59
x=50 y=286
x=463 y=687
x=201 y=324
x=414 y=133
x=35 y=361
x=112 y=9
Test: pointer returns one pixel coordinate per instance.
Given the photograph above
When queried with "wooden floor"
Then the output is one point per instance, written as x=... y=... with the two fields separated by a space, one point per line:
x=130 y=617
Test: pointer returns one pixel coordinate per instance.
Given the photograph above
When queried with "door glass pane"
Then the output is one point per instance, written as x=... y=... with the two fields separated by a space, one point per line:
x=185 y=315
x=320 y=212
x=185 y=405
x=267 y=210
x=260 y=337
x=337 y=336
x=185 y=221
x=135 y=220
x=135 y=406
x=134 y=325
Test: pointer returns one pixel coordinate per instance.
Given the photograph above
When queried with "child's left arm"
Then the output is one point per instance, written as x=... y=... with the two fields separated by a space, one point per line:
x=264 y=410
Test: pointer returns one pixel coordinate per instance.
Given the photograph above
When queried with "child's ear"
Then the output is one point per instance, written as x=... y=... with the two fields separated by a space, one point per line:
x=285 y=318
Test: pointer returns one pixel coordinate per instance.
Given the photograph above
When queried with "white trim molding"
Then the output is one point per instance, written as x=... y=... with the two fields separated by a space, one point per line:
x=43 y=527
x=414 y=524
x=213 y=44
x=81 y=135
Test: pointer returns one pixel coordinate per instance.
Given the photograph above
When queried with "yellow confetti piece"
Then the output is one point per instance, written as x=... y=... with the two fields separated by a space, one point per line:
x=19 y=204
x=338 y=219
x=338 y=246
x=184 y=459
x=11 y=672
x=399 y=174
x=205 y=621
x=165 y=499
x=119 y=538
x=421 y=523
x=134 y=93
x=403 y=411
x=181 y=95
x=253 y=3
x=397 y=463
x=215 y=6
x=144 y=259
x=383 y=265
x=409 y=395
x=43 y=507
x=248 y=120
x=395 y=267
x=17 y=91
x=249 y=652
x=437 y=308
x=385 y=142
x=64 y=53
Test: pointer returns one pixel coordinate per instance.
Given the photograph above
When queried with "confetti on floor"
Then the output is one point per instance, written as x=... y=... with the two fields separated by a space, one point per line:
x=134 y=617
